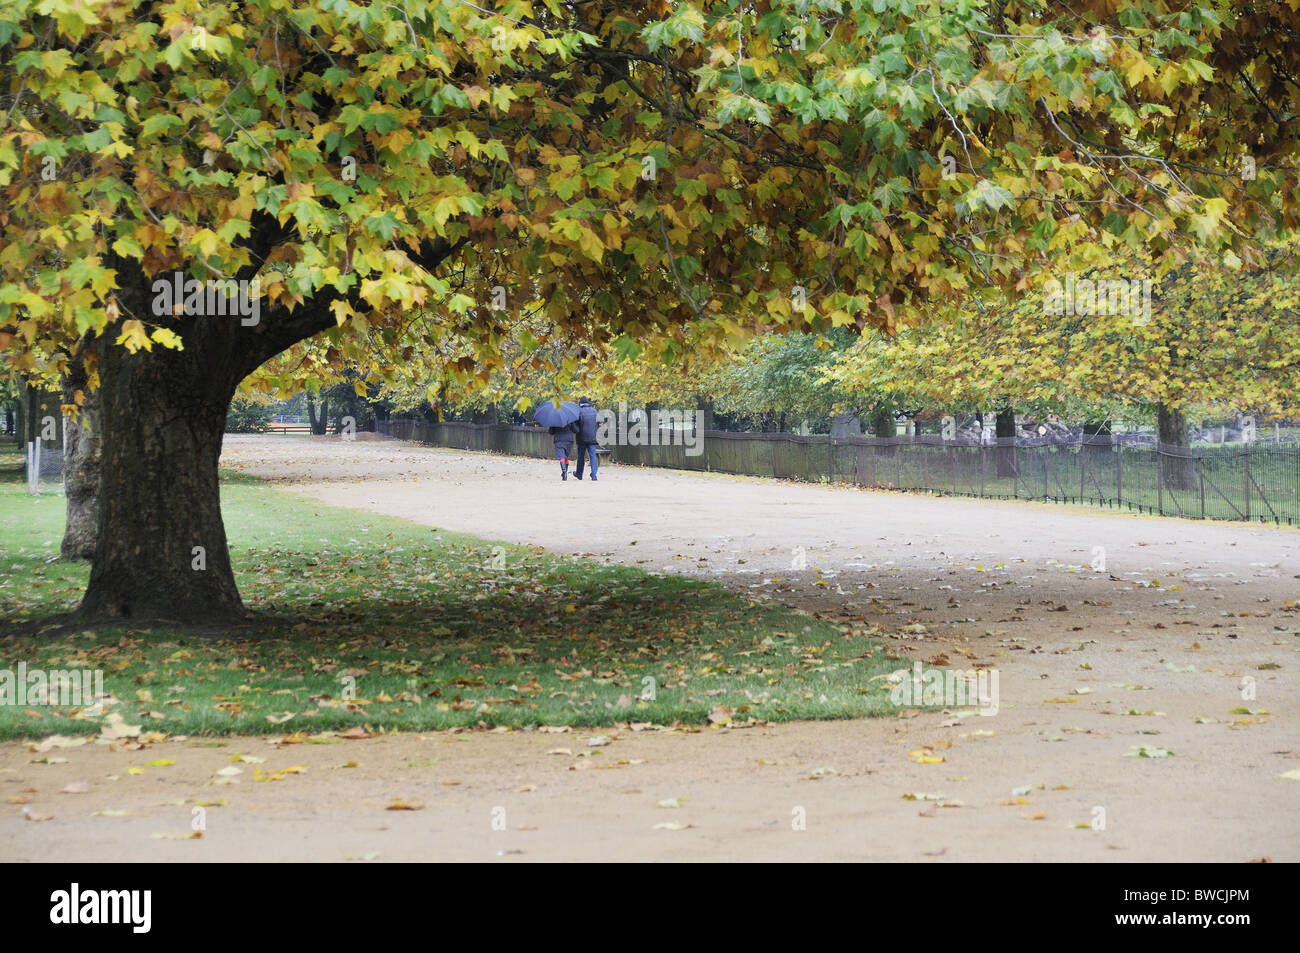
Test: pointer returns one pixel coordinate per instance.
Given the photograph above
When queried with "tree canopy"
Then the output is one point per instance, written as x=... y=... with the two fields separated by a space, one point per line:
x=422 y=179
x=1215 y=337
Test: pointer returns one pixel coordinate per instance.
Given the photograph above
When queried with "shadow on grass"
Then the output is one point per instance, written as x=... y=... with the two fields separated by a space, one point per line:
x=357 y=620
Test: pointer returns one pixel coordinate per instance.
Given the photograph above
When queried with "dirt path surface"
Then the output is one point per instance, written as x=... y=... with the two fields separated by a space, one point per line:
x=1159 y=652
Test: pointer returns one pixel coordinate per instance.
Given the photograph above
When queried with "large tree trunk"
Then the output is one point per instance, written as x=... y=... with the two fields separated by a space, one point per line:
x=160 y=546
x=161 y=549
x=1177 y=465
x=320 y=422
x=883 y=426
x=1005 y=431
x=81 y=474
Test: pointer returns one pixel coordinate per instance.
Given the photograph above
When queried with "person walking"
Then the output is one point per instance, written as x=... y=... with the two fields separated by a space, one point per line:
x=562 y=437
x=587 y=428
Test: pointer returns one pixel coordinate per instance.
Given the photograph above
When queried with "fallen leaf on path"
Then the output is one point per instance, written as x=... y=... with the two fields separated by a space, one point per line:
x=404 y=806
x=1145 y=752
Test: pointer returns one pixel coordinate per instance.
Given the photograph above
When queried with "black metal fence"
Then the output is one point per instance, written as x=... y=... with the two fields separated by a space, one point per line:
x=1248 y=481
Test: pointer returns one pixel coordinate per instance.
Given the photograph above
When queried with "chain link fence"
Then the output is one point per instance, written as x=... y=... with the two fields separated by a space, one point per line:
x=1243 y=481
x=41 y=465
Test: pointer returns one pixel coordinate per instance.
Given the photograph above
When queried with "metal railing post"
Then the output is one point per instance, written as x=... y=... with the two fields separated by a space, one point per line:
x=1247 y=472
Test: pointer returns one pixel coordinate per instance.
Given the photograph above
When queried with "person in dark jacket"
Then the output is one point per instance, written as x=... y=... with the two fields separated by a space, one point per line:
x=586 y=437
x=562 y=437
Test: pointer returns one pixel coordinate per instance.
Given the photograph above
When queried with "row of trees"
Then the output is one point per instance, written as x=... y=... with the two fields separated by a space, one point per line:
x=1216 y=339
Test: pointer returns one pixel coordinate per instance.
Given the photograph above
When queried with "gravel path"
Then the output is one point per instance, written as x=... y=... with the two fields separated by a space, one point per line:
x=1093 y=666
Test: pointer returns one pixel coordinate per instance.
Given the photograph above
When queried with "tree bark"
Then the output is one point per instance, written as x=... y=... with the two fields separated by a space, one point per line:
x=161 y=551
x=321 y=421
x=81 y=457
x=160 y=547
x=1177 y=465
x=1005 y=430
x=884 y=426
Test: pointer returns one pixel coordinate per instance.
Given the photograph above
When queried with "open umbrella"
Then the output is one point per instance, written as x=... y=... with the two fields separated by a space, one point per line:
x=549 y=416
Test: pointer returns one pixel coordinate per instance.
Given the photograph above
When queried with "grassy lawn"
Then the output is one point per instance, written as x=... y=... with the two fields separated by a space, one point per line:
x=433 y=630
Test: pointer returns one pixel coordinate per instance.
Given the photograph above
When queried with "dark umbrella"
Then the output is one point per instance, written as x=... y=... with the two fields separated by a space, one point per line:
x=548 y=416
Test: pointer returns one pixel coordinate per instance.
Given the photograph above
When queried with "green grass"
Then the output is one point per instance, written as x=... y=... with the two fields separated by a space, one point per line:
x=432 y=633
